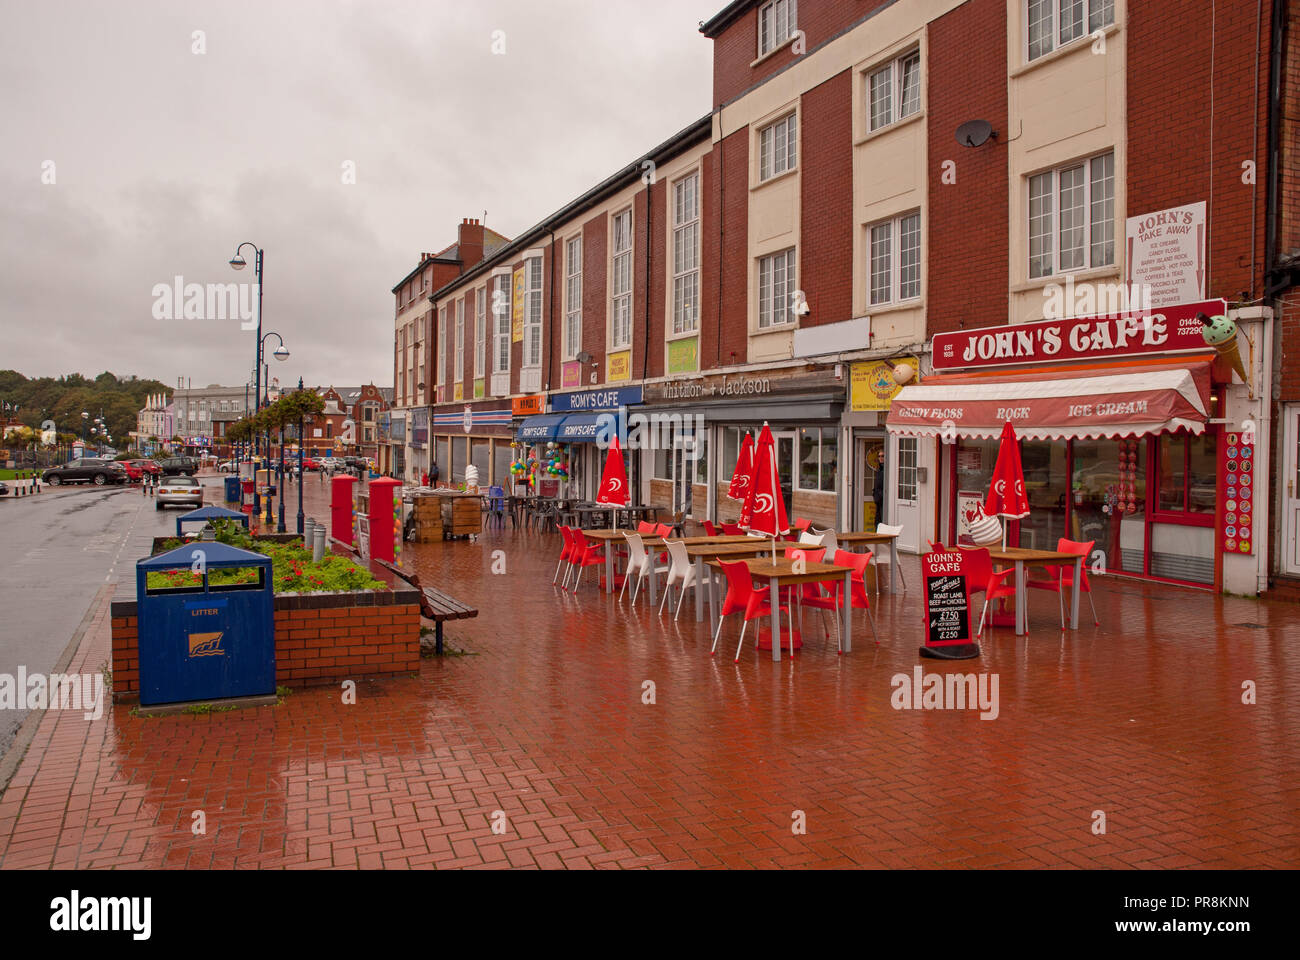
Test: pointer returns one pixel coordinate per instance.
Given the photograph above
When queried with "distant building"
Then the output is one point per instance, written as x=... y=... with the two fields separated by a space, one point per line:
x=351 y=423
x=201 y=414
x=154 y=420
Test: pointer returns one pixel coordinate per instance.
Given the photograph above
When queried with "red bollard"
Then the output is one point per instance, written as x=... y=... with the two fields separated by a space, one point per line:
x=341 y=507
x=381 y=518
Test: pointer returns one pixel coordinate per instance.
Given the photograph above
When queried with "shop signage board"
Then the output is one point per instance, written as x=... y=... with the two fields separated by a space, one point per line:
x=1172 y=329
x=947 y=606
x=609 y=399
x=527 y=406
x=618 y=366
x=458 y=391
x=1165 y=253
x=517 y=317
x=571 y=373
x=1237 y=467
x=480 y=389
x=872 y=385
x=684 y=355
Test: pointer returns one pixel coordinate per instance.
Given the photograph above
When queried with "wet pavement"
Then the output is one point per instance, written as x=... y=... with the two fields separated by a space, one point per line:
x=1124 y=745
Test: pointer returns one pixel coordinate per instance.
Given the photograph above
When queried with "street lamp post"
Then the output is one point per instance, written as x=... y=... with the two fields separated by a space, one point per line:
x=238 y=263
x=301 y=476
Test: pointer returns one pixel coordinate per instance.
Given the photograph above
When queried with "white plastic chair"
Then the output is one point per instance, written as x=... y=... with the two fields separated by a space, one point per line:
x=679 y=568
x=883 y=555
x=810 y=539
x=638 y=562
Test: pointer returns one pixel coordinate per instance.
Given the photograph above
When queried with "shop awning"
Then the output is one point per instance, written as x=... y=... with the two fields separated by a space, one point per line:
x=581 y=427
x=1056 y=404
x=540 y=428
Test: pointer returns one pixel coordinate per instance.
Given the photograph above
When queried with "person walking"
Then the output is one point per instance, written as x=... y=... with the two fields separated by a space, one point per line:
x=434 y=473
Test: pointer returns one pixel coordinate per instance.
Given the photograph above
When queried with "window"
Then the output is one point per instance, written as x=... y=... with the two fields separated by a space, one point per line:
x=776 y=282
x=907 y=455
x=458 y=358
x=621 y=304
x=1072 y=217
x=533 y=312
x=894 y=91
x=686 y=254
x=776 y=148
x=1054 y=23
x=501 y=323
x=480 y=331
x=776 y=24
x=442 y=345
x=894 y=259
x=818 y=458
x=573 y=298
x=1187 y=473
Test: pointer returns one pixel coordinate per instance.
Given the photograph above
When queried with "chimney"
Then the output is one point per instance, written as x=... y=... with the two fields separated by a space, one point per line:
x=470 y=242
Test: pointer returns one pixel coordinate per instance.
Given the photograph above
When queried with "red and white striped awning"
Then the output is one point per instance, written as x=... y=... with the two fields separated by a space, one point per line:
x=1048 y=404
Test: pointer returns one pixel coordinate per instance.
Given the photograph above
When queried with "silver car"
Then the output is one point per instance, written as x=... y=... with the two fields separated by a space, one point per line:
x=181 y=489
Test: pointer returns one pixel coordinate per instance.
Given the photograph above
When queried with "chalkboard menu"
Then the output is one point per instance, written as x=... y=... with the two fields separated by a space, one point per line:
x=947 y=601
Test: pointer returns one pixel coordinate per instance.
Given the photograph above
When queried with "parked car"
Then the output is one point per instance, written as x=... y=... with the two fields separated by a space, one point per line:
x=133 y=472
x=180 y=489
x=310 y=463
x=179 y=466
x=147 y=466
x=94 y=470
x=228 y=466
x=4 y=489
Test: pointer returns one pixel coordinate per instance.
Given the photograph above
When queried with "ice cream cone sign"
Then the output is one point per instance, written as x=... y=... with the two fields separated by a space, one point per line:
x=1221 y=334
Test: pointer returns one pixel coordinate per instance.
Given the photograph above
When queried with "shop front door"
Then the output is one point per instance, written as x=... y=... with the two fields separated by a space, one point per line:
x=785 y=470
x=683 y=472
x=1290 y=547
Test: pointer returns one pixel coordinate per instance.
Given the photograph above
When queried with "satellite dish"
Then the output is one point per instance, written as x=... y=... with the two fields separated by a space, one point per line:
x=584 y=357
x=973 y=133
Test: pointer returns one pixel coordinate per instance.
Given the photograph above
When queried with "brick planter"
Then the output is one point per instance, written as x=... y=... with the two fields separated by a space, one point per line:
x=320 y=638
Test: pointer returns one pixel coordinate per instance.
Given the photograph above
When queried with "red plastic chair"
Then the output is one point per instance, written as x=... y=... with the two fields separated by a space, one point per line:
x=644 y=527
x=732 y=529
x=586 y=553
x=566 y=556
x=936 y=547
x=801 y=524
x=981 y=578
x=801 y=590
x=1062 y=576
x=710 y=529
x=858 y=600
x=743 y=597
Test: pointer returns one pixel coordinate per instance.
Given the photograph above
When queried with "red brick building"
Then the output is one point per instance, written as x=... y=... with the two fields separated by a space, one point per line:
x=875 y=174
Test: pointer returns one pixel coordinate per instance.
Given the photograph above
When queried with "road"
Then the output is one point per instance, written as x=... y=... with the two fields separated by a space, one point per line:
x=60 y=548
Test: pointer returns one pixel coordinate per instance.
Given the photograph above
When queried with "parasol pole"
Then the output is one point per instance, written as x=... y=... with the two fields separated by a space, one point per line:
x=776 y=492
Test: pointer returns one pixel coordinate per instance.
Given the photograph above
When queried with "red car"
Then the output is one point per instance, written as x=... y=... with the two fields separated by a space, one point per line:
x=143 y=466
x=134 y=474
x=310 y=463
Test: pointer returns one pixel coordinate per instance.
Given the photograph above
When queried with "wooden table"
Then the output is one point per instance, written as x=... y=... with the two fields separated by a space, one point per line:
x=1022 y=558
x=853 y=537
x=729 y=547
x=654 y=543
x=781 y=574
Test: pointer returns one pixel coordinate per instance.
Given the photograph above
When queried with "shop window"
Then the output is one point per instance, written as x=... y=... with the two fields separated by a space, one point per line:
x=818 y=458
x=1046 y=485
x=1108 y=493
x=702 y=457
x=663 y=463
x=730 y=453
x=442 y=459
x=1187 y=467
x=458 y=458
x=907 y=457
x=479 y=456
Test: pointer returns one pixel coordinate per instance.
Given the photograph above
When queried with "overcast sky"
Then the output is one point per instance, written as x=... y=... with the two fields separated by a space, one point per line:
x=165 y=159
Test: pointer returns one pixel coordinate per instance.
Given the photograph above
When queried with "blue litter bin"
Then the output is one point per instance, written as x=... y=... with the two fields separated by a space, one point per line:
x=205 y=642
x=204 y=514
x=232 y=489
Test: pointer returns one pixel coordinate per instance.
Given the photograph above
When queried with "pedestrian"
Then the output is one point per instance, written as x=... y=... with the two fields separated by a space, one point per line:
x=434 y=473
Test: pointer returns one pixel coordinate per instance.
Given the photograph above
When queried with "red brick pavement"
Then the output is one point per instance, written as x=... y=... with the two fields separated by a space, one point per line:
x=543 y=720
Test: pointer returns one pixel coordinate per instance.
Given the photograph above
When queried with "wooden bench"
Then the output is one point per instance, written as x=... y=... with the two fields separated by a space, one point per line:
x=434 y=604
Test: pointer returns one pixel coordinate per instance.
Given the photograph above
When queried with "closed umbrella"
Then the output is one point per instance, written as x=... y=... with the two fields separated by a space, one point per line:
x=740 y=479
x=613 y=481
x=1006 y=497
x=764 y=507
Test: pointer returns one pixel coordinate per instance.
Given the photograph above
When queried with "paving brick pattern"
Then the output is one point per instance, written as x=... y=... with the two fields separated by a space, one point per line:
x=543 y=721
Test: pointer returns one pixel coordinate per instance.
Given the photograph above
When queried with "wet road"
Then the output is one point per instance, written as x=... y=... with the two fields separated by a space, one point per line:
x=60 y=548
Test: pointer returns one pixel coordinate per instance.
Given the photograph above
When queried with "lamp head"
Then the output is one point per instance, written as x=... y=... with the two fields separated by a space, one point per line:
x=238 y=262
x=281 y=352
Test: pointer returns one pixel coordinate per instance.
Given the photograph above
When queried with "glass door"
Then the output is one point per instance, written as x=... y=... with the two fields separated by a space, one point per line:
x=785 y=467
x=1291 y=491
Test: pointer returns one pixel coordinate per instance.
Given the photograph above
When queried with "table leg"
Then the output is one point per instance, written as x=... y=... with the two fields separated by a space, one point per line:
x=1022 y=618
x=847 y=626
x=774 y=595
x=699 y=597
x=654 y=580
x=609 y=567
x=714 y=607
x=893 y=565
x=1074 y=594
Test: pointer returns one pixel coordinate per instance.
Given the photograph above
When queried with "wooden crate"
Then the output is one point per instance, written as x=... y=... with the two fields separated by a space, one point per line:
x=461 y=516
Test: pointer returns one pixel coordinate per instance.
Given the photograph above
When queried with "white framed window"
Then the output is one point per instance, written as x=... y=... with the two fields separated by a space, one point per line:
x=1072 y=217
x=480 y=332
x=573 y=298
x=776 y=284
x=907 y=461
x=620 y=308
x=686 y=254
x=1050 y=24
x=818 y=458
x=501 y=323
x=894 y=259
x=442 y=345
x=777 y=152
x=533 y=312
x=459 y=356
x=776 y=24
x=894 y=90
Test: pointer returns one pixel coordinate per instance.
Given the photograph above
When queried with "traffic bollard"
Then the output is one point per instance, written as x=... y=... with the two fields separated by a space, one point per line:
x=308 y=532
x=318 y=545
